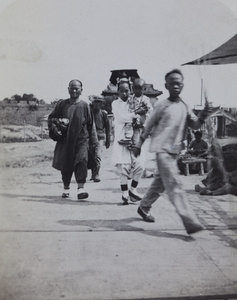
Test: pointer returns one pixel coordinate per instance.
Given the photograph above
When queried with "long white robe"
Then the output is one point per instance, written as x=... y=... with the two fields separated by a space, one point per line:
x=120 y=155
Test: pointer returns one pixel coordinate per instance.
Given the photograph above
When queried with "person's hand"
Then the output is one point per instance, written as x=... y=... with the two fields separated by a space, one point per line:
x=57 y=132
x=208 y=107
x=136 y=151
x=107 y=144
x=207 y=111
x=141 y=110
x=63 y=127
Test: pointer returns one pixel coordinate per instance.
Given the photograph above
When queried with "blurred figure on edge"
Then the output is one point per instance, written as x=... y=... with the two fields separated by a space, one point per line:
x=167 y=125
x=71 y=150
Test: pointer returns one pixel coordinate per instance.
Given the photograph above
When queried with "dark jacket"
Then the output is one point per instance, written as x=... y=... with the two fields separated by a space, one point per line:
x=81 y=130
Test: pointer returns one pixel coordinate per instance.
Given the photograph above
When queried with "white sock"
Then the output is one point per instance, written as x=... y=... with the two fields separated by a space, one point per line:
x=125 y=194
x=133 y=189
x=80 y=190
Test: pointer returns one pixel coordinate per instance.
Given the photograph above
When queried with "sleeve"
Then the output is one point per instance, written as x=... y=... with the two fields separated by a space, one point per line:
x=148 y=104
x=205 y=145
x=107 y=125
x=193 y=121
x=191 y=145
x=93 y=140
x=152 y=121
x=121 y=114
x=54 y=116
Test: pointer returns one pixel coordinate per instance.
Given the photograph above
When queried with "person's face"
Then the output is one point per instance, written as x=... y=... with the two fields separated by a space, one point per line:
x=138 y=90
x=75 y=89
x=198 y=137
x=124 y=91
x=97 y=105
x=174 y=84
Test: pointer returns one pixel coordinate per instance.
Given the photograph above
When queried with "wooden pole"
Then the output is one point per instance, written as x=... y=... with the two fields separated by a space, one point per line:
x=201 y=90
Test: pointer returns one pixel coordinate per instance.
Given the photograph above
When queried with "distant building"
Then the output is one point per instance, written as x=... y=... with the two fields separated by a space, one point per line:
x=222 y=122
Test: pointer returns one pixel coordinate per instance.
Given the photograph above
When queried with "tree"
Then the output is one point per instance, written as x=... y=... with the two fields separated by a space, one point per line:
x=42 y=102
x=28 y=98
x=54 y=102
x=16 y=98
x=7 y=100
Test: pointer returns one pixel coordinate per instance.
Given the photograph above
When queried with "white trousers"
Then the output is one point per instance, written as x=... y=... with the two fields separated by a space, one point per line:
x=132 y=170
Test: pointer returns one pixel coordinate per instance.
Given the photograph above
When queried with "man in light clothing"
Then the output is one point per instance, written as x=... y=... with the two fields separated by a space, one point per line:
x=167 y=126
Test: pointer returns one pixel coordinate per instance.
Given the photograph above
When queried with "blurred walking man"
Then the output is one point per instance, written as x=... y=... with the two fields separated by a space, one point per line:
x=167 y=124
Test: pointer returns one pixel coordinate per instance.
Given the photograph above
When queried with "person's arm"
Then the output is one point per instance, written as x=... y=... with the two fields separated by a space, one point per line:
x=195 y=122
x=148 y=105
x=152 y=121
x=107 y=129
x=191 y=145
x=93 y=140
x=205 y=145
x=55 y=115
x=53 y=120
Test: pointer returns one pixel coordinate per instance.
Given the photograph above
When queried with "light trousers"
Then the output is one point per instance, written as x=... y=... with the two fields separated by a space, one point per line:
x=131 y=170
x=168 y=178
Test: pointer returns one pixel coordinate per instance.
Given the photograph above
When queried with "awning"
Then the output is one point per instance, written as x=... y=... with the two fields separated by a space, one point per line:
x=225 y=54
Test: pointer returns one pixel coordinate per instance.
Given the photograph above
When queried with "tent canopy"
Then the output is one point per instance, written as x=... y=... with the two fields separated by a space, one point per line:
x=225 y=54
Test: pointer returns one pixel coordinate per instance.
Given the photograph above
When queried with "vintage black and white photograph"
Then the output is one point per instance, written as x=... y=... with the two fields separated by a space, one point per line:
x=118 y=149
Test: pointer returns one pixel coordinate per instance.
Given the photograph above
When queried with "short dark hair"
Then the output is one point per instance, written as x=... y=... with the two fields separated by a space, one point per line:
x=75 y=80
x=174 y=71
x=140 y=80
x=198 y=133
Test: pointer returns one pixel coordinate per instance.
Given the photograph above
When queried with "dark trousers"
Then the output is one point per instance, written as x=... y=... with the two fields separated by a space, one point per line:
x=80 y=172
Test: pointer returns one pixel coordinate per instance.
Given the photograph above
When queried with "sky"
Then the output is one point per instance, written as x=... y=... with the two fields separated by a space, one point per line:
x=46 y=43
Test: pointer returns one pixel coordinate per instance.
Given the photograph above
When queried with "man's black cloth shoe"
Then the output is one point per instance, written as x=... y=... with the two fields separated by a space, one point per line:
x=65 y=195
x=82 y=194
x=147 y=218
x=134 y=197
x=125 y=200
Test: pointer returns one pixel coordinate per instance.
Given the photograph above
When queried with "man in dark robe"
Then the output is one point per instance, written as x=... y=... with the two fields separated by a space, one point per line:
x=102 y=126
x=71 y=150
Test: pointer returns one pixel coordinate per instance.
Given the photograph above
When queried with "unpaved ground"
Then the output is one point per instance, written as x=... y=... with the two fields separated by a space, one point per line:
x=54 y=248
x=21 y=162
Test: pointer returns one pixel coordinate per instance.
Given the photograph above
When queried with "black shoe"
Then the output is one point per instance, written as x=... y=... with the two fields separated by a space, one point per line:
x=65 y=195
x=147 y=218
x=125 y=200
x=82 y=195
x=198 y=188
x=96 y=178
x=133 y=197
